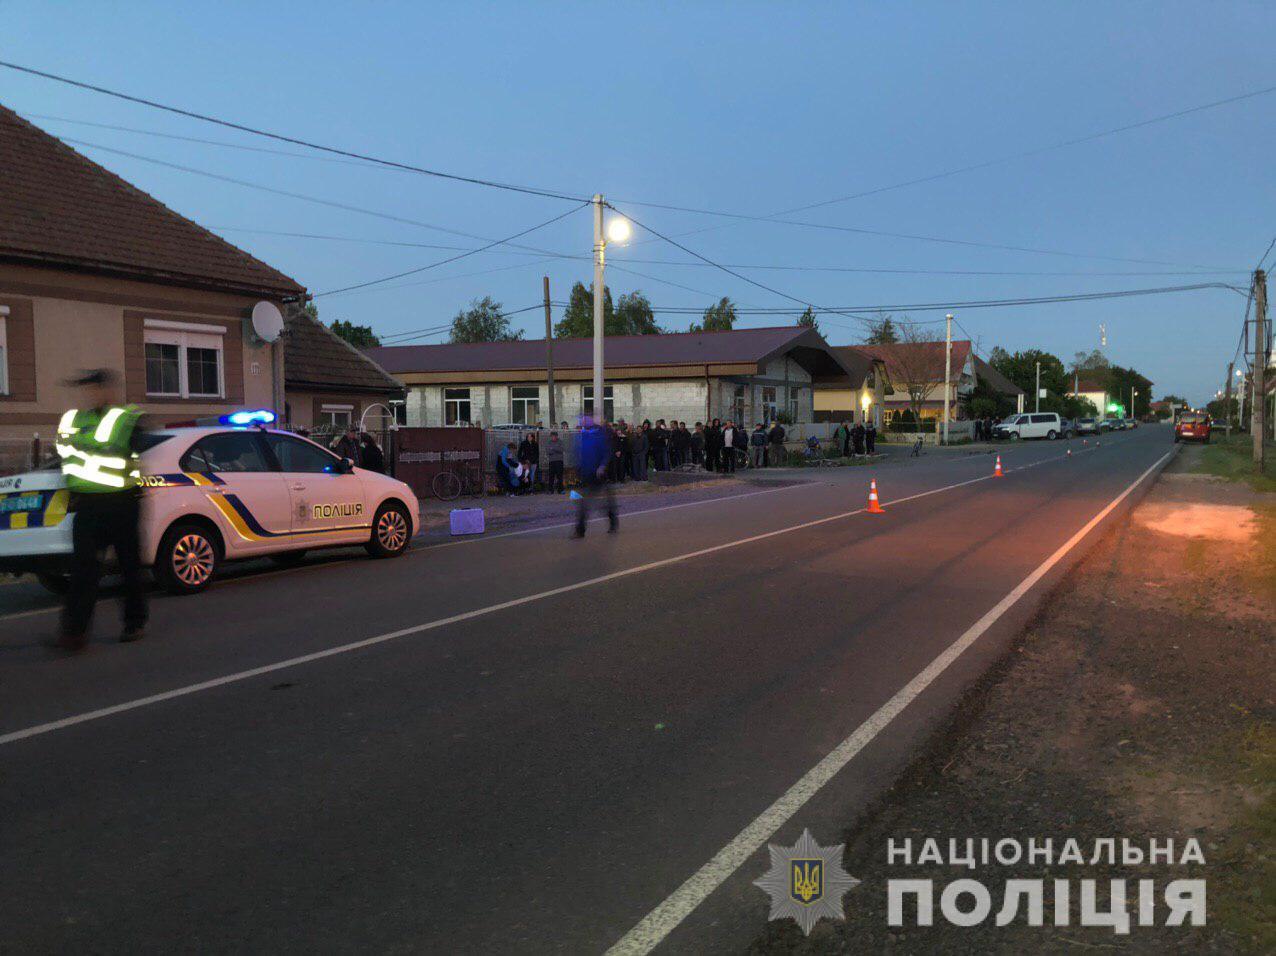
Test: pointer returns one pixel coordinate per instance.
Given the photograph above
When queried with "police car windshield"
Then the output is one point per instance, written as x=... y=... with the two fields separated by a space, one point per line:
x=148 y=440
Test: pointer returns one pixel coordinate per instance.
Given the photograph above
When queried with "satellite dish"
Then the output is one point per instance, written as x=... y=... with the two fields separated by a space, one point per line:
x=268 y=321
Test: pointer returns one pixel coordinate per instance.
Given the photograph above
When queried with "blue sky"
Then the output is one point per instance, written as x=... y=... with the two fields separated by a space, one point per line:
x=744 y=107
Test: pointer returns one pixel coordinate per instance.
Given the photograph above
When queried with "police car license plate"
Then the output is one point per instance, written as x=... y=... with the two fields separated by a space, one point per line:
x=31 y=502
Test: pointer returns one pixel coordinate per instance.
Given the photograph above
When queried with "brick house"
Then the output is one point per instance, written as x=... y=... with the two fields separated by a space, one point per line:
x=94 y=273
x=920 y=365
x=747 y=375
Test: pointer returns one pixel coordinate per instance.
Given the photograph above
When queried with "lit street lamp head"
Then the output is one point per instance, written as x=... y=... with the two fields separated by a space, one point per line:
x=618 y=229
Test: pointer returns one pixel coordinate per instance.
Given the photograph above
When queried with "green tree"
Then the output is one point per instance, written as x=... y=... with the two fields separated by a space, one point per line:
x=882 y=333
x=578 y=319
x=360 y=336
x=1120 y=383
x=808 y=320
x=1021 y=368
x=634 y=316
x=719 y=317
x=483 y=321
x=1092 y=361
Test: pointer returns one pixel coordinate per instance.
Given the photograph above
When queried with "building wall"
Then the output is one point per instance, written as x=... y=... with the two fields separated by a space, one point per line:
x=67 y=322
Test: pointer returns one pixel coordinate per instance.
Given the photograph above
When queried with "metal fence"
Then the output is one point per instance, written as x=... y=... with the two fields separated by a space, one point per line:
x=25 y=454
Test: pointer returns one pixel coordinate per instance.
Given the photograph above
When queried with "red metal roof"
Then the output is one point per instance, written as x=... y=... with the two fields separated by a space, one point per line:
x=58 y=208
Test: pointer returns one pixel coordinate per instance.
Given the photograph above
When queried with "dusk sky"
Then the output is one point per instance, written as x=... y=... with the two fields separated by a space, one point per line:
x=745 y=108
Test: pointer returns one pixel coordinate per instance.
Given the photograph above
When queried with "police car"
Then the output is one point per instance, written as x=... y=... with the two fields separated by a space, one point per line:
x=218 y=493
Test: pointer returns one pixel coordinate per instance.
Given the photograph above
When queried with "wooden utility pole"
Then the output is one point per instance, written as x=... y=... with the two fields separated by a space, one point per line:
x=549 y=359
x=1258 y=424
x=1227 y=399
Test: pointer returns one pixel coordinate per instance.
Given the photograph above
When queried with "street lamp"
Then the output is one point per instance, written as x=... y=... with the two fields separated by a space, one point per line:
x=617 y=231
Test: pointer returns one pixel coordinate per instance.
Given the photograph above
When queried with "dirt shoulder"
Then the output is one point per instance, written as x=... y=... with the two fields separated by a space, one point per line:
x=1138 y=704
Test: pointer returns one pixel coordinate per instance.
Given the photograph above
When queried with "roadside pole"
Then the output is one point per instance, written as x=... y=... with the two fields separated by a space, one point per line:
x=1227 y=400
x=549 y=359
x=599 y=245
x=1037 y=406
x=1258 y=424
x=948 y=367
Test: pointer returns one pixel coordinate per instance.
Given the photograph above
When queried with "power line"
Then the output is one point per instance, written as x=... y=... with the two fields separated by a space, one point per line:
x=1270 y=245
x=351 y=154
x=459 y=275
x=402 y=337
x=462 y=255
x=976 y=304
x=318 y=200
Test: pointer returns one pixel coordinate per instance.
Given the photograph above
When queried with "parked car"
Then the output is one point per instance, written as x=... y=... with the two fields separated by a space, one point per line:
x=1193 y=426
x=1088 y=426
x=1131 y=423
x=1033 y=425
x=1115 y=424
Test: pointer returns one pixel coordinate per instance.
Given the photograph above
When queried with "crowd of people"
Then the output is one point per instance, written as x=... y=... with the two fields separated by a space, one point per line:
x=857 y=439
x=631 y=452
x=360 y=447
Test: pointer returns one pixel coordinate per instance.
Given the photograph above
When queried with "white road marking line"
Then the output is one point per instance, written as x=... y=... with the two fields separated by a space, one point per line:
x=657 y=924
x=126 y=706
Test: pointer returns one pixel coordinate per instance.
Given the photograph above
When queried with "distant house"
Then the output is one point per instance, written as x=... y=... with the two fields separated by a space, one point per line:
x=329 y=383
x=920 y=367
x=861 y=398
x=1093 y=387
x=994 y=380
x=94 y=272
x=746 y=375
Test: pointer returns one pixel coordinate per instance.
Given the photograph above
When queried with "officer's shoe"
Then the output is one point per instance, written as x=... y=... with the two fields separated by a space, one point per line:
x=131 y=634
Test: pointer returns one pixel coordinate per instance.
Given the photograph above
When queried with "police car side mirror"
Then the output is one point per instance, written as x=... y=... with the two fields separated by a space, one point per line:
x=346 y=467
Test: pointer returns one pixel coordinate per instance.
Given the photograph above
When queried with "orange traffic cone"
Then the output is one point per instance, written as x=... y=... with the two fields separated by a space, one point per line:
x=873 y=507
x=1085 y=441
x=996 y=472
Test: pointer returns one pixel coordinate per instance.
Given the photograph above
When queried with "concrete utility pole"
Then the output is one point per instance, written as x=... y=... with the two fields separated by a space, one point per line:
x=1037 y=406
x=549 y=359
x=1258 y=425
x=948 y=367
x=1227 y=400
x=600 y=244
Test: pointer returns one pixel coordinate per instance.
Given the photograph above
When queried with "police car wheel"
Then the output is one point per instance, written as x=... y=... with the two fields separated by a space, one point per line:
x=187 y=560
x=391 y=530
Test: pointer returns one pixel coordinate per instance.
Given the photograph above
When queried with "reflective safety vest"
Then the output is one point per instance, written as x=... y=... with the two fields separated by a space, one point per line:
x=96 y=449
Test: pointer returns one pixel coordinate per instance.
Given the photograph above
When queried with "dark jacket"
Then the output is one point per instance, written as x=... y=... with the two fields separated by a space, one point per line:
x=758 y=437
x=348 y=447
x=638 y=442
x=595 y=452
x=529 y=451
x=373 y=460
x=777 y=434
x=553 y=450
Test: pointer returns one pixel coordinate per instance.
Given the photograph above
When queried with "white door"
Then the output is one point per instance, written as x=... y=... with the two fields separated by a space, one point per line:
x=327 y=504
x=246 y=490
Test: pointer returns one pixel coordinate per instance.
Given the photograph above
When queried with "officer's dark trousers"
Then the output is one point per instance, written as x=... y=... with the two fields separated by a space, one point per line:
x=591 y=489
x=101 y=521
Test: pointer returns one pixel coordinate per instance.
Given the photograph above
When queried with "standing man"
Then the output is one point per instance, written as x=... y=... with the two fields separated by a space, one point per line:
x=728 y=448
x=777 y=444
x=857 y=438
x=757 y=446
x=870 y=437
x=554 y=464
x=98 y=447
x=347 y=446
x=595 y=454
x=712 y=445
x=842 y=439
x=638 y=452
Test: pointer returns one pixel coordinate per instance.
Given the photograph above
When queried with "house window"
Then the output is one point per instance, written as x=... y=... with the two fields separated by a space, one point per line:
x=770 y=408
x=793 y=404
x=525 y=404
x=456 y=406
x=336 y=417
x=609 y=403
x=737 y=405
x=4 y=350
x=184 y=360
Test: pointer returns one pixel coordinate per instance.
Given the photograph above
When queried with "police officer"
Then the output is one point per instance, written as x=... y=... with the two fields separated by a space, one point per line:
x=98 y=448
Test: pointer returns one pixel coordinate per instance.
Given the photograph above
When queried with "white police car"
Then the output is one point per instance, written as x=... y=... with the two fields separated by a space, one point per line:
x=214 y=494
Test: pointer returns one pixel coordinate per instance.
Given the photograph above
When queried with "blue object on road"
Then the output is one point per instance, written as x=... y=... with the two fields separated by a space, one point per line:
x=575 y=494
x=467 y=520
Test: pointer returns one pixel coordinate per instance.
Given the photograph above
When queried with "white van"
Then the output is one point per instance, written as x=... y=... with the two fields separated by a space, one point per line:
x=1033 y=425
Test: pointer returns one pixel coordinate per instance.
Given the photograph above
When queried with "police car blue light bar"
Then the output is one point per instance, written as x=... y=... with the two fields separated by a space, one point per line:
x=256 y=416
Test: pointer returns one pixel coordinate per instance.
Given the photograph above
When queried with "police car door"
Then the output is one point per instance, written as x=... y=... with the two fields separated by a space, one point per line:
x=327 y=502
x=245 y=489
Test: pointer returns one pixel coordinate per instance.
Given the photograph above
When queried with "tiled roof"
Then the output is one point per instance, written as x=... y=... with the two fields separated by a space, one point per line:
x=917 y=360
x=315 y=357
x=58 y=208
x=622 y=351
x=997 y=381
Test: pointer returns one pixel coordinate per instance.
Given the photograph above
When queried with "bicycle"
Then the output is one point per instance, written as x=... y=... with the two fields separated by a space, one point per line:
x=448 y=485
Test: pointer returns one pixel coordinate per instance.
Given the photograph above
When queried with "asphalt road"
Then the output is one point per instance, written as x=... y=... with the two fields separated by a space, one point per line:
x=533 y=740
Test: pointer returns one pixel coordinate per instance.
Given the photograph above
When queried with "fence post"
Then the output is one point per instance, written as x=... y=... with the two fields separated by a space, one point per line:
x=35 y=451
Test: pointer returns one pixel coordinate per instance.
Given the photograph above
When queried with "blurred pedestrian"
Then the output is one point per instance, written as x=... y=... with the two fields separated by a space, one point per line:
x=529 y=456
x=857 y=438
x=638 y=453
x=777 y=437
x=595 y=453
x=757 y=446
x=697 y=445
x=347 y=446
x=712 y=444
x=728 y=448
x=870 y=437
x=99 y=445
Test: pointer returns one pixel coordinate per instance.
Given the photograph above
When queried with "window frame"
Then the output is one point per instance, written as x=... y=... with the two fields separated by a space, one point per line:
x=329 y=413
x=185 y=336
x=771 y=403
x=277 y=463
x=263 y=452
x=609 y=399
x=457 y=420
x=530 y=404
